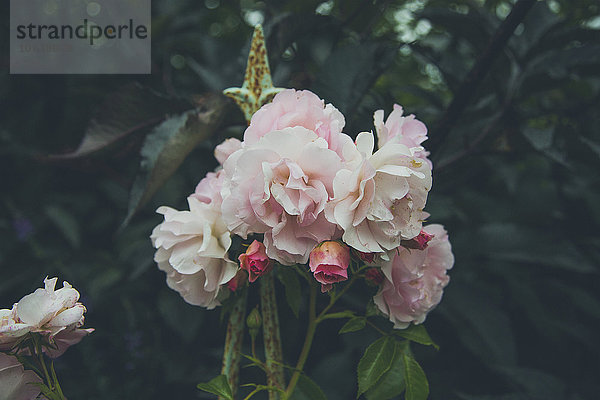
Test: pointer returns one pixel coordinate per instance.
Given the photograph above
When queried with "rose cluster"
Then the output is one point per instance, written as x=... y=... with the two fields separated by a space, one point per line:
x=301 y=191
x=55 y=316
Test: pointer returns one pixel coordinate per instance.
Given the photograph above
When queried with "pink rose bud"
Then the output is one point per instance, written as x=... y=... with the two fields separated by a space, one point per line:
x=366 y=257
x=329 y=263
x=419 y=242
x=255 y=261
x=237 y=281
x=374 y=276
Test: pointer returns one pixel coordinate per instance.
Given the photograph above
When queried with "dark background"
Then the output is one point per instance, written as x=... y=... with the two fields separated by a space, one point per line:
x=516 y=184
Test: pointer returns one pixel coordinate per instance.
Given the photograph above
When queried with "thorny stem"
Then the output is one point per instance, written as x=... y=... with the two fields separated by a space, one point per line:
x=271 y=336
x=233 y=342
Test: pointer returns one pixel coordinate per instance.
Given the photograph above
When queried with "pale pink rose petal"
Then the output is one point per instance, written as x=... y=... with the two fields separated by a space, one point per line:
x=379 y=201
x=65 y=339
x=405 y=130
x=415 y=280
x=291 y=108
x=192 y=247
x=227 y=148
x=15 y=382
x=279 y=186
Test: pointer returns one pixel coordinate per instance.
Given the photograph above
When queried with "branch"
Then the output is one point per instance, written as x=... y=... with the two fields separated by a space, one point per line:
x=482 y=66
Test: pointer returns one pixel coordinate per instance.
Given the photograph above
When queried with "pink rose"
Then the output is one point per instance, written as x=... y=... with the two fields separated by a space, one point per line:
x=329 y=263
x=15 y=382
x=255 y=261
x=419 y=242
x=379 y=200
x=415 y=280
x=208 y=189
x=303 y=108
x=279 y=186
x=238 y=280
x=374 y=276
x=227 y=148
x=191 y=248
x=398 y=129
x=368 y=258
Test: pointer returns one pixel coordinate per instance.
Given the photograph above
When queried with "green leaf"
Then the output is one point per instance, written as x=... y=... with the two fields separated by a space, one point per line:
x=218 y=386
x=418 y=334
x=355 y=324
x=417 y=387
x=338 y=315
x=293 y=295
x=124 y=112
x=392 y=383
x=375 y=362
x=168 y=145
x=307 y=389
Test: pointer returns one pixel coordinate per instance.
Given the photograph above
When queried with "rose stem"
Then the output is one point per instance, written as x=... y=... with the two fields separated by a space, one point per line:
x=271 y=336
x=233 y=342
x=310 y=334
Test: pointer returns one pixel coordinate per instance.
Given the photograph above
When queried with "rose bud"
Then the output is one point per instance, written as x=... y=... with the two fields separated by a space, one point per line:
x=254 y=322
x=374 y=276
x=419 y=242
x=329 y=263
x=237 y=281
x=255 y=261
x=366 y=257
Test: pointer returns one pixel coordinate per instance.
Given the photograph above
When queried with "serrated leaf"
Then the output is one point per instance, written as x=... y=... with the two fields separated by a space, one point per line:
x=125 y=111
x=168 y=145
x=418 y=334
x=218 y=386
x=307 y=389
x=392 y=383
x=355 y=324
x=289 y=278
x=375 y=362
x=417 y=387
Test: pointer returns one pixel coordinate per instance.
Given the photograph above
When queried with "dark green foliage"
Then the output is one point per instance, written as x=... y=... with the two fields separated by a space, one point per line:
x=516 y=184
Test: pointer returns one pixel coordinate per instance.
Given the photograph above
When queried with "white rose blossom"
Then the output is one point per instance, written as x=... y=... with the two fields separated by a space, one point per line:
x=379 y=197
x=192 y=246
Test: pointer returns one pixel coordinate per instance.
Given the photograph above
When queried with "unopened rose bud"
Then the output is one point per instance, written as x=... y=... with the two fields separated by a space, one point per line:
x=329 y=263
x=237 y=281
x=255 y=261
x=374 y=276
x=366 y=257
x=254 y=322
x=419 y=242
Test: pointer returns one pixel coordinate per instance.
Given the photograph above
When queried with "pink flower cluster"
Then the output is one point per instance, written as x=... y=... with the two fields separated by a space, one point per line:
x=310 y=194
